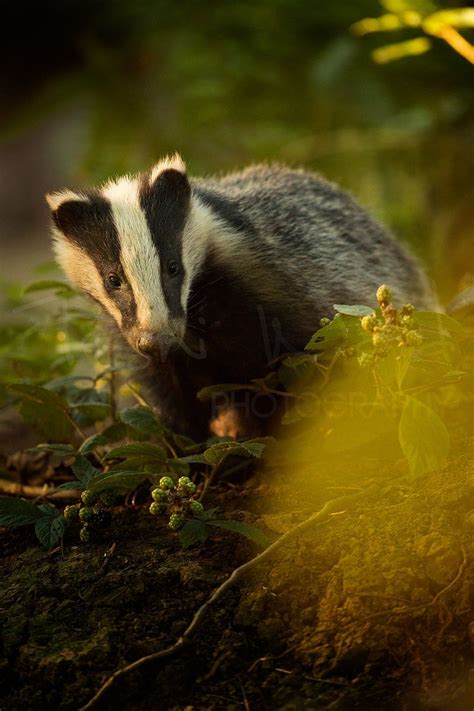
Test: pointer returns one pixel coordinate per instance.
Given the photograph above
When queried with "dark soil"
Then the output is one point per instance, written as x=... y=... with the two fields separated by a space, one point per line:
x=371 y=609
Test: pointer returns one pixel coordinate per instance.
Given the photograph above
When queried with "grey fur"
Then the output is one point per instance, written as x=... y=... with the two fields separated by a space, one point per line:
x=315 y=238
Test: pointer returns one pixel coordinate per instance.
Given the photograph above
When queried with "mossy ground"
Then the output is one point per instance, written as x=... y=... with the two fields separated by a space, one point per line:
x=371 y=609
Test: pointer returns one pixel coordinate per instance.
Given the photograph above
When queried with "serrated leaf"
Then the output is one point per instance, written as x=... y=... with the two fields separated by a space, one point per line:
x=356 y=310
x=17 y=512
x=71 y=486
x=193 y=459
x=44 y=410
x=343 y=330
x=177 y=466
x=195 y=531
x=244 y=529
x=93 y=442
x=61 y=450
x=423 y=437
x=93 y=411
x=141 y=418
x=84 y=470
x=437 y=322
x=208 y=392
x=126 y=480
x=50 y=529
x=144 y=449
x=216 y=453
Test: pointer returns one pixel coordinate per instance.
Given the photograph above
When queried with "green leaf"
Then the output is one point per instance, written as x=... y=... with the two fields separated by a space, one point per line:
x=208 y=392
x=141 y=418
x=50 y=529
x=440 y=323
x=71 y=486
x=61 y=450
x=216 y=454
x=92 y=442
x=60 y=287
x=126 y=480
x=151 y=451
x=194 y=459
x=195 y=531
x=423 y=437
x=17 y=512
x=93 y=411
x=245 y=529
x=343 y=330
x=44 y=410
x=84 y=470
x=357 y=310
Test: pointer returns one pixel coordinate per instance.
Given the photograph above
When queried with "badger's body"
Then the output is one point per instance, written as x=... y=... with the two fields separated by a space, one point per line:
x=214 y=279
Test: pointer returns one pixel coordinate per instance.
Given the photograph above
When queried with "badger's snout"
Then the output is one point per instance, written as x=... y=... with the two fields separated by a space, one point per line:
x=150 y=344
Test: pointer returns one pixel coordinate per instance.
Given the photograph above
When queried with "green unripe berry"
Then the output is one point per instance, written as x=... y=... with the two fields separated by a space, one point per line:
x=166 y=482
x=384 y=295
x=157 y=508
x=324 y=322
x=368 y=323
x=176 y=522
x=184 y=481
x=86 y=514
x=407 y=310
x=187 y=490
x=366 y=360
x=407 y=321
x=87 y=534
x=71 y=513
x=186 y=486
x=197 y=509
x=89 y=498
x=159 y=495
x=413 y=338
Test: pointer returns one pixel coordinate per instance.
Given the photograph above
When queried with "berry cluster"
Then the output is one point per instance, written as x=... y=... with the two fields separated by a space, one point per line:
x=91 y=514
x=393 y=329
x=176 y=500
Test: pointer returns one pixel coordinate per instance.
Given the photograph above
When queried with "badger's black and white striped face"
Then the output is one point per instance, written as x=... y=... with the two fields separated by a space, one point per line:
x=132 y=245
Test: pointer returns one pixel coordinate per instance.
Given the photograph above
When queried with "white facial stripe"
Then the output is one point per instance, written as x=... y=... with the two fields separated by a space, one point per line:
x=200 y=225
x=82 y=272
x=140 y=259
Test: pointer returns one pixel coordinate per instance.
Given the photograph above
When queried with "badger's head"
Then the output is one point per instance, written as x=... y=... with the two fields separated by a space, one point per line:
x=133 y=245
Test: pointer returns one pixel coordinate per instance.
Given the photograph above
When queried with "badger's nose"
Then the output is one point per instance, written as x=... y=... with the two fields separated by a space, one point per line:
x=149 y=343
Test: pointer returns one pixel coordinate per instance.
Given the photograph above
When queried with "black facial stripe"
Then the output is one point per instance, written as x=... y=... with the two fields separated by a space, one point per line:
x=166 y=206
x=225 y=209
x=90 y=225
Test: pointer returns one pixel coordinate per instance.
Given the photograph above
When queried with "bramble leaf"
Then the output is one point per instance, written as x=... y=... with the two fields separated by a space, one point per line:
x=17 y=512
x=195 y=531
x=423 y=437
x=251 y=532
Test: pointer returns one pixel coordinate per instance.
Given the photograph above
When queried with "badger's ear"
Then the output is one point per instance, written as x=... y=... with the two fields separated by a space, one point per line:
x=174 y=162
x=71 y=212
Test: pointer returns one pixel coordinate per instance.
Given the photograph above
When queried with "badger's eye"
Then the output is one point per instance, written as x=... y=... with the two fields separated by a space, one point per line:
x=114 y=281
x=173 y=268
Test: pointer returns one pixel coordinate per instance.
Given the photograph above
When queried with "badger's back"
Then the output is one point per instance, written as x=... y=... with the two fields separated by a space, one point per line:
x=312 y=238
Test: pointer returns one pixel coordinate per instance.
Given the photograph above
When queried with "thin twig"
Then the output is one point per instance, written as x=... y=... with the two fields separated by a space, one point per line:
x=323 y=514
x=34 y=492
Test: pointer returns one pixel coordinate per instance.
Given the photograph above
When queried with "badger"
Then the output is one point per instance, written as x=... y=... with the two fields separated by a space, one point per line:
x=212 y=280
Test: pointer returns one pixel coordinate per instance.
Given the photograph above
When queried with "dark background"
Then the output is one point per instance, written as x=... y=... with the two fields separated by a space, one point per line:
x=91 y=89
